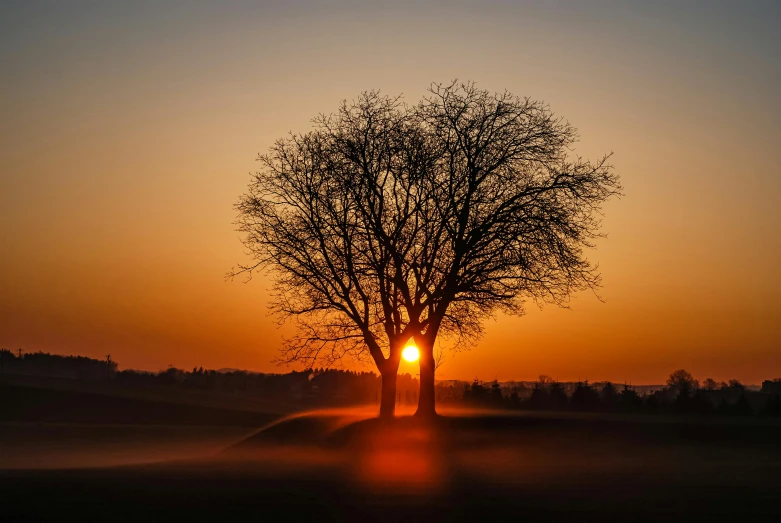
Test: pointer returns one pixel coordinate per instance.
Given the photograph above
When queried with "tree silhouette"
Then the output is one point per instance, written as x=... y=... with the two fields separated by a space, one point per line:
x=496 y=393
x=710 y=384
x=584 y=397
x=557 y=396
x=682 y=382
x=736 y=385
x=629 y=400
x=390 y=222
x=609 y=396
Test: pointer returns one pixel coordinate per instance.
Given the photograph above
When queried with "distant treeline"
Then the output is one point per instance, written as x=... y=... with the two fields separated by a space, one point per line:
x=682 y=394
x=45 y=364
x=309 y=387
x=336 y=386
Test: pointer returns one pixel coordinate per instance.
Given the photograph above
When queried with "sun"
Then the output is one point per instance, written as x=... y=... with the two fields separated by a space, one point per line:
x=410 y=353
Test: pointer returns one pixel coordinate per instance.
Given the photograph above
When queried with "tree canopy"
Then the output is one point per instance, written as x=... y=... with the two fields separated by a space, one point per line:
x=389 y=222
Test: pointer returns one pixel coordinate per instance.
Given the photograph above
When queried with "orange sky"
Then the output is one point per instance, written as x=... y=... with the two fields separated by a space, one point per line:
x=127 y=132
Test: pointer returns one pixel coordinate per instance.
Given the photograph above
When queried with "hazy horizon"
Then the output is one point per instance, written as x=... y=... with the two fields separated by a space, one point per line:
x=129 y=130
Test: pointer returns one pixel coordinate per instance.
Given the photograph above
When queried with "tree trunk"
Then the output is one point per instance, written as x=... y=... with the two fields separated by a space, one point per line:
x=426 y=397
x=388 y=397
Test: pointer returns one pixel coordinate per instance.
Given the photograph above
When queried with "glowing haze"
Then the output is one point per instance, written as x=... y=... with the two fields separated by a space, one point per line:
x=128 y=129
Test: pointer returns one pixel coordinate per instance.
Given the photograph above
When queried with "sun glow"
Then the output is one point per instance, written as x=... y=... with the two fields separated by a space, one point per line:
x=410 y=353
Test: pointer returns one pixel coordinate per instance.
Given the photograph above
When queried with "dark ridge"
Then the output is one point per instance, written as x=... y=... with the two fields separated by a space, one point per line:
x=29 y=404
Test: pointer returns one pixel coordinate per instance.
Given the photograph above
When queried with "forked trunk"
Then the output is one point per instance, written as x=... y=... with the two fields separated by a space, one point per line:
x=426 y=408
x=388 y=397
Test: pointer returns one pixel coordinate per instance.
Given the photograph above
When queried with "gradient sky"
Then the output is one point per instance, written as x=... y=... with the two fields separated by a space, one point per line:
x=129 y=129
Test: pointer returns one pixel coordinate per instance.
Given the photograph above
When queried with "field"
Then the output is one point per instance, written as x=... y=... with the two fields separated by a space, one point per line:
x=341 y=465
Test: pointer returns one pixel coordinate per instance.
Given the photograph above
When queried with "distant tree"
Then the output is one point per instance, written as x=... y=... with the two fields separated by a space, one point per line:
x=496 y=393
x=609 y=396
x=710 y=384
x=629 y=400
x=545 y=381
x=584 y=397
x=682 y=382
x=388 y=223
x=478 y=393
x=466 y=396
x=515 y=399
x=557 y=397
x=736 y=385
x=539 y=397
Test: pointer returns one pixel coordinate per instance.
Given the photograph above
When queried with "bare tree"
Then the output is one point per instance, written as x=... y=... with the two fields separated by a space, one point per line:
x=388 y=223
x=683 y=382
x=710 y=384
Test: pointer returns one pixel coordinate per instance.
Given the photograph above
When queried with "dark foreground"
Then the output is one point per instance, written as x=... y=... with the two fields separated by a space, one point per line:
x=479 y=467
